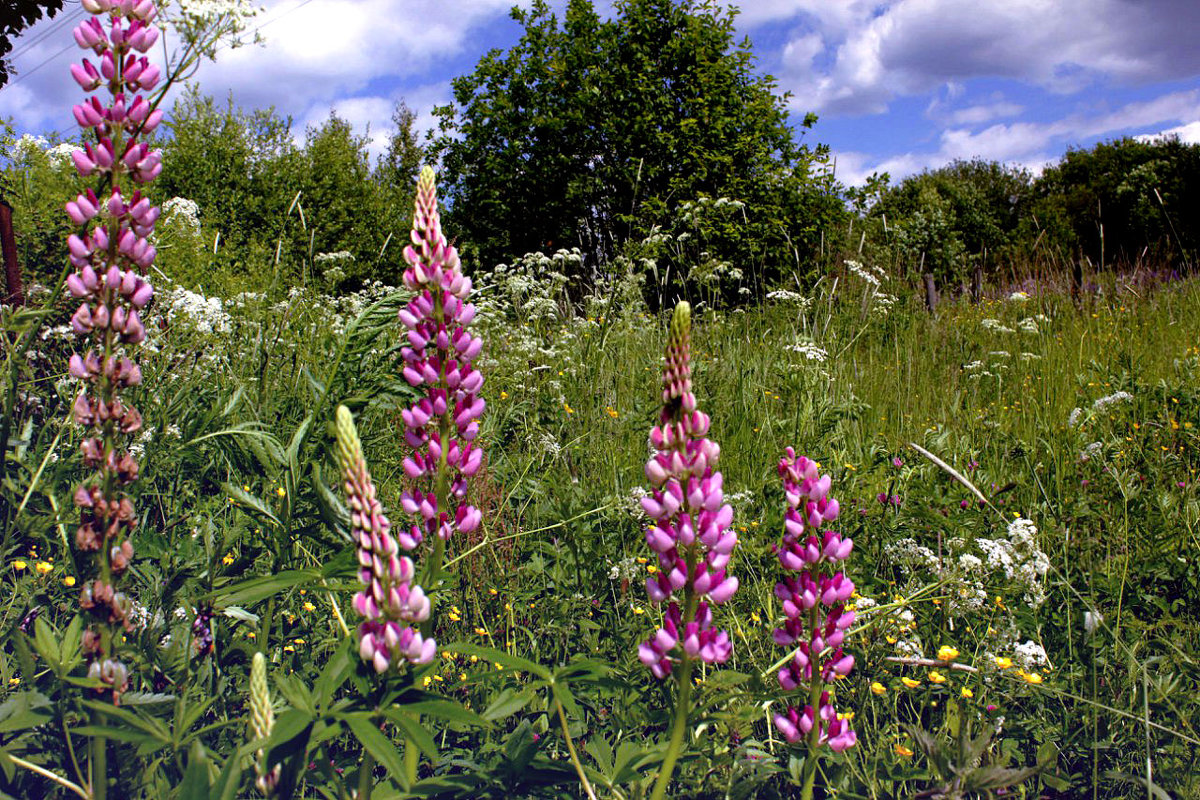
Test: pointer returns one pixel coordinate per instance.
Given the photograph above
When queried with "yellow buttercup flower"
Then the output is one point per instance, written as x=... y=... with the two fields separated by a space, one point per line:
x=947 y=653
x=1031 y=677
x=308 y=606
x=44 y=567
x=878 y=688
x=910 y=683
x=19 y=565
x=903 y=751
x=1003 y=662
x=967 y=693
x=937 y=677
x=69 y=581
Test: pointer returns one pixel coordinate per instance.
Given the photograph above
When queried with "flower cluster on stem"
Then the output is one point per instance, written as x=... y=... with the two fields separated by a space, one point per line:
x=111 y=253
x=441 y=427
x=691 y=534
x=814 y=603
x=390 y=603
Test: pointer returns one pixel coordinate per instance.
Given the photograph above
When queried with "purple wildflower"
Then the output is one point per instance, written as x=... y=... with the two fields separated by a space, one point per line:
x=111 y=252
x=390 y=603
x=691 y=533
x=442 y=426
x=817 y=637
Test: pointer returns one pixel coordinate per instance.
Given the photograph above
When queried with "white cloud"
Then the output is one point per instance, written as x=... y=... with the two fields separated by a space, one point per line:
x=877 y=51
x=1032 y=144
x=1188 y=134
x=317 y=53
x=972 y=115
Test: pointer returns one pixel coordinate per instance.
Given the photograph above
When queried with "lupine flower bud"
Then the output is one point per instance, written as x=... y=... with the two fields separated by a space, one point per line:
x=691 y=532
x=817 y=637
x=390 y=603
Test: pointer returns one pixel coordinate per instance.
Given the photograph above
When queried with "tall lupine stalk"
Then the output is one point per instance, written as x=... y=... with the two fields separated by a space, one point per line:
x=390 y=603
x=690 y=535
x=111 y=253
x=442 y=426
x=814 y=602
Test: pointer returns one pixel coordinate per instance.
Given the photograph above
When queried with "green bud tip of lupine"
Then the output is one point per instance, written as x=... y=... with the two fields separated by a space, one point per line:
x=681 y=322
x=349 y=447
x=262 y=716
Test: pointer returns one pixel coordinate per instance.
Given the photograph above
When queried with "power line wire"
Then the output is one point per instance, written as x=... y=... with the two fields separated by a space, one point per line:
x=54 y=28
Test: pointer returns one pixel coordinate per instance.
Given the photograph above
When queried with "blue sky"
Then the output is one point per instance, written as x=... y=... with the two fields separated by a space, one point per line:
x=899 y=85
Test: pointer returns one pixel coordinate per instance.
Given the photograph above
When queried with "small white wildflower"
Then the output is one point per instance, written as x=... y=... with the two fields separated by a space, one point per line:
x=1019 y=297
x=809 y=350
x=1112 y=399
x=1029 y=654
x=995 y=326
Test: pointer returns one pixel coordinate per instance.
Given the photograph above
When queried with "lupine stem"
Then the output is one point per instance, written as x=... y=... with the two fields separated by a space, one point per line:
x=45 y=773
x=562 y=719
x=99 y=760
x=678 y=728
x=814 y=735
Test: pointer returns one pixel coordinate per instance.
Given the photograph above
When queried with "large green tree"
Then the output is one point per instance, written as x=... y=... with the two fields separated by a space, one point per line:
x=590 y=133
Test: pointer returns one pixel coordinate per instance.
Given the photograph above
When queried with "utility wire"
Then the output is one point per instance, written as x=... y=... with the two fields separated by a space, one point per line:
x=54 y=28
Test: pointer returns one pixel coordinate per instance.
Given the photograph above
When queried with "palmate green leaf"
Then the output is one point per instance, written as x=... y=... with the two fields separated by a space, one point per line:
x=519 y=748
x=507 y=703
x=599 y=749
x=7 y=767
x=256 y=589
x=45 y=642
x=448 y=711
x=24 y=710
x=333 y=510
x=195 y=778
x=288 y=745
x=414 y=732
x=566 y=698
x=337 y=669
x=128 y=718
x=375 y=743
x=250 y=502
x=503 y=658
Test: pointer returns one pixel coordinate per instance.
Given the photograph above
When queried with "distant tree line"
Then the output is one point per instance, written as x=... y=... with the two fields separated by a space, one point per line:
x=1120 y=204
x=649 y=142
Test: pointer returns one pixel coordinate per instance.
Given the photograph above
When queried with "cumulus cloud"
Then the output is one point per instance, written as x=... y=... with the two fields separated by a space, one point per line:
x=318 y=54
x=1188 y=134
x=1033 y=145
x=875 y=52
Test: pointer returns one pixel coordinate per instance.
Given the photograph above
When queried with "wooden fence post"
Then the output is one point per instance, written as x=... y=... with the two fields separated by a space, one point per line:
x=13 y=291
x=931 y=294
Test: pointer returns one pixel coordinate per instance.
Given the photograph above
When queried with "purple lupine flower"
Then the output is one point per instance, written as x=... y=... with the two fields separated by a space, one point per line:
x=441 y=427
x=814 y=604
x=390 y=603
x=691 y=533
x=111 y=252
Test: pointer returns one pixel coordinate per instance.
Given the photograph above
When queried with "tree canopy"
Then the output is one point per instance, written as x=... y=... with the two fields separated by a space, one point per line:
x=591 y=133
